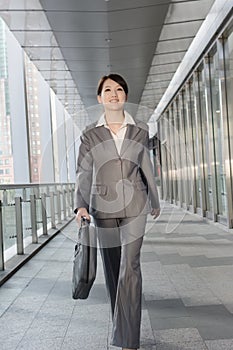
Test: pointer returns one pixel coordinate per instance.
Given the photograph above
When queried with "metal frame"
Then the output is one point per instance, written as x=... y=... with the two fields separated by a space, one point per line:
x=44 y=194
x=200 y=149
x=227 y=130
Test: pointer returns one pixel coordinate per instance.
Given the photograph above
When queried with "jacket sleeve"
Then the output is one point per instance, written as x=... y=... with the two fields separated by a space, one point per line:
x=148 y=174
x=83 y=174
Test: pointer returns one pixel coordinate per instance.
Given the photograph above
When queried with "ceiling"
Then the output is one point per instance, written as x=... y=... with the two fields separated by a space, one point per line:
x=74 y=42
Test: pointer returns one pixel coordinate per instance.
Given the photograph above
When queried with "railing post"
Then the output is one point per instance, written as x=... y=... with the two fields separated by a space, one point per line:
x=72 y=197
x=33 y=218
x=36 y=191
x=19 y=225
x=44 y=213
x=68 y=200
x=5 y=200
x=64 y=203
x=52 y=209
x=58 y=207
x=1 y=240
x=24 y=193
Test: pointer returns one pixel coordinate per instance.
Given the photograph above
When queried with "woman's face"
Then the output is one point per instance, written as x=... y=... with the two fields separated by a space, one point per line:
x=112 y=96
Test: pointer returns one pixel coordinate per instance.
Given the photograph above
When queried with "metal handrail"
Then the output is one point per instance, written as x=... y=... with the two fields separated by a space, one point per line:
x=53 y=200
x=18 y=186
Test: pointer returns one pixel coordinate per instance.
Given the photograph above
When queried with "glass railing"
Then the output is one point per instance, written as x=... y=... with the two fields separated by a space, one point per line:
x=28 y=212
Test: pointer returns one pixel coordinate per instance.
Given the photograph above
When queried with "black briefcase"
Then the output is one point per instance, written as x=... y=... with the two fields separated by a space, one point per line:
x=85 y=261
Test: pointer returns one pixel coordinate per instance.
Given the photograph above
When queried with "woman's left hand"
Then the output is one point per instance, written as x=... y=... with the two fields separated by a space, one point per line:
x=155 y=212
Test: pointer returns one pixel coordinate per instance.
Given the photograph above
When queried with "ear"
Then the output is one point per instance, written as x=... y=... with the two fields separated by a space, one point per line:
x=99 y=99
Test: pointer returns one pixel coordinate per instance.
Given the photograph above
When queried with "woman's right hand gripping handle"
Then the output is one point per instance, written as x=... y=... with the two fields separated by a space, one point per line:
x=82 y=212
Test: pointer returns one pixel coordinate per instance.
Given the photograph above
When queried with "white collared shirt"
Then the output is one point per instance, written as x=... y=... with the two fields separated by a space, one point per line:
x=120 y=135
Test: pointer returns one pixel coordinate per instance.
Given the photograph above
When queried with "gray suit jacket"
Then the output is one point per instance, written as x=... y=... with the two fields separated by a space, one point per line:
x=112 y=185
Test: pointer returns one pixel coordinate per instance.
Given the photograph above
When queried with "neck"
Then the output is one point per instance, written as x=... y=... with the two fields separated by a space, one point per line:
x=114 y=117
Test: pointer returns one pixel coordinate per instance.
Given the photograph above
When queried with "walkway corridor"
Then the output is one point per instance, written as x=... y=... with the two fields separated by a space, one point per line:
x=187 y=267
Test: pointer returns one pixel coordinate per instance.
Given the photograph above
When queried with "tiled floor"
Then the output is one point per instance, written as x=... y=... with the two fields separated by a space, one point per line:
x=187 y=267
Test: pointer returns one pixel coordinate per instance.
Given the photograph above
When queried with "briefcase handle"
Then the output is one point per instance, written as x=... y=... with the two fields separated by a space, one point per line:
x=84 y=221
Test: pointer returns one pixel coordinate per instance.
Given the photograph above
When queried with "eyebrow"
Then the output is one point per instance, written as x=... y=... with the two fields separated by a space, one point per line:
x=108 y=86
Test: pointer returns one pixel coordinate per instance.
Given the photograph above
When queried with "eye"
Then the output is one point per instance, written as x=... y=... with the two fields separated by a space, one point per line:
x=107 y=90
x=119 y=89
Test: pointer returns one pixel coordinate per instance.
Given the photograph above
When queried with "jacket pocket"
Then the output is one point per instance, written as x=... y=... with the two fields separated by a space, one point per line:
x=99 y=189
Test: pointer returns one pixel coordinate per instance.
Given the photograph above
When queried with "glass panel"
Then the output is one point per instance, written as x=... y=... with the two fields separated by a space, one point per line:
x=6 y=156
x=26 y=215
x=169 y=158
x=208 y=137
x=9 y=227
x=194 y=146
x=39 y=215
x=166 y=157
x=177 y=148
x=204 y=195
x=33 y=119
x=228 y=53
x=207 y=142
x=55 y=140
x=183 y=149
x=218 y=132
x=173 y=153
x=199 y=158
x=188 y=135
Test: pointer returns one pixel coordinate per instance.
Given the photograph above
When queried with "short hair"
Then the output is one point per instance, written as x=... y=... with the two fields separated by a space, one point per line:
x=117 y=78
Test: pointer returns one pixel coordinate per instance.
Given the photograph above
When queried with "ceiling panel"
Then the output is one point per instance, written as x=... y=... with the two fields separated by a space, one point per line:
x=168 y=57
x=47 y=53
x=25 y=20
x=187 y=11
x=73 y=53
x=78 y=21
x=164 y=68
x=137 y=17
x=180 y=30
x=97 y=5
x=83 y=39
x=173 y=45
x=74 y=42
x=29 y=38
x=20 y=5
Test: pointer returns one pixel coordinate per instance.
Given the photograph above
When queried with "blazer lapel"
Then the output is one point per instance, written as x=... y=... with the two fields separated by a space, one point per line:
x=131 y=132
x=104 y=134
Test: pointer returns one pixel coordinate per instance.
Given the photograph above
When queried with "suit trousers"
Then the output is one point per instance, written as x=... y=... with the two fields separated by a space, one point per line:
x=120 y=242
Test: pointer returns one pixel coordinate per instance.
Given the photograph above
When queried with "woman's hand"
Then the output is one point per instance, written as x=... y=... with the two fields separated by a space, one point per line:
x=80 y=213
x=155 y=213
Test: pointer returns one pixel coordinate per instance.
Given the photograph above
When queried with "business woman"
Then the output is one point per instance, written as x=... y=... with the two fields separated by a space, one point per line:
x=115 y=184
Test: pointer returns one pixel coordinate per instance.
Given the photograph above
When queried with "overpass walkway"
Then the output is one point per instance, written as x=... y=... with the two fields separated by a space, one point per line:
x=187 y=267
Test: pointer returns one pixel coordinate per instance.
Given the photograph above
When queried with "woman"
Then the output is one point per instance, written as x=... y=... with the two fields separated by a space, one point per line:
x=115 y=184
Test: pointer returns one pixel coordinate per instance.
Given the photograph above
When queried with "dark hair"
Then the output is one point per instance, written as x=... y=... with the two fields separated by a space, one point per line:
x=117 y=78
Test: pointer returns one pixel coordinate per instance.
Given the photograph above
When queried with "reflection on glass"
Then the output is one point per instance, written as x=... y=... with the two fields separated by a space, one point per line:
x=228 y=48
x=186 y=160
x=6 y=156
x=197 y=141
x=188 y=132
x=191 y=137
x=172 y=132
x=207 y=142
x=178 y=143
x=218 y=135
x=33 y=119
